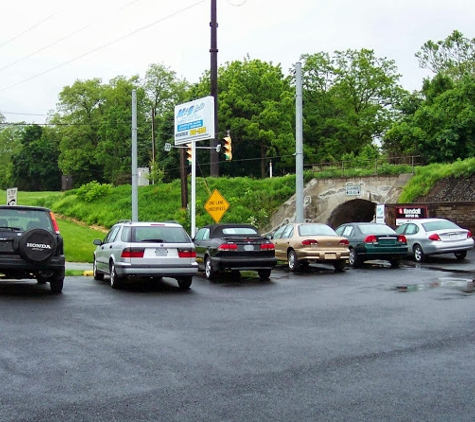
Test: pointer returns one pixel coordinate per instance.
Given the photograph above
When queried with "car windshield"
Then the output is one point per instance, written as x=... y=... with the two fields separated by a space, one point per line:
x=239 y=230
x=376 y=229
x=159 y=234
x=316 y=230
x=439 y=225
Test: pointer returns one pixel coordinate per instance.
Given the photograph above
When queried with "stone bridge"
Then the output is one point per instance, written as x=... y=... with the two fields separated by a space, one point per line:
x=339 y=200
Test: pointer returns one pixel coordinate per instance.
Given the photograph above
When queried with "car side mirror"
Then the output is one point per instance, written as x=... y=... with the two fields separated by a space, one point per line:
x=97 y=242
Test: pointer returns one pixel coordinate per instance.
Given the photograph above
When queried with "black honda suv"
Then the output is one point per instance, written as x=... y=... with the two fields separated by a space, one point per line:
x=31 y=246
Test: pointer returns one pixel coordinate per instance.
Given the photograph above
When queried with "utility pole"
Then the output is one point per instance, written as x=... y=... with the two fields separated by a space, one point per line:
x=213 y=155
x=298 y=146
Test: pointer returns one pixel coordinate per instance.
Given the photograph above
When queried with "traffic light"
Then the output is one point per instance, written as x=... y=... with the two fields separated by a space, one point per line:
x=228 y=149
x=189 y=154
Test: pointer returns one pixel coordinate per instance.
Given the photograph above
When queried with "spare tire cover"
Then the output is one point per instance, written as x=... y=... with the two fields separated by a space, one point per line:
x=37 y=245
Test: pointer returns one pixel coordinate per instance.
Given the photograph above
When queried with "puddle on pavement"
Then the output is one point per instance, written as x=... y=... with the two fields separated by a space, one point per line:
x=466 y=285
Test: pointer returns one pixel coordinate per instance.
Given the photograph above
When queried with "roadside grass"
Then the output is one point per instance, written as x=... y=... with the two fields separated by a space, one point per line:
x=78 y=246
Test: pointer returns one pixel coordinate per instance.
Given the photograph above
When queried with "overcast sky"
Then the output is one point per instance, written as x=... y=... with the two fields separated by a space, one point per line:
x=49 y=44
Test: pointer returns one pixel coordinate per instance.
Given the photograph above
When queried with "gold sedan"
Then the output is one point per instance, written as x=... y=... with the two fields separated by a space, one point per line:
x=300 y=244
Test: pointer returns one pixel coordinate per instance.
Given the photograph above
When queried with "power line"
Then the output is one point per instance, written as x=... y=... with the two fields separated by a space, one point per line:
x=28 y=30
x=104 y=45
x=65 y=37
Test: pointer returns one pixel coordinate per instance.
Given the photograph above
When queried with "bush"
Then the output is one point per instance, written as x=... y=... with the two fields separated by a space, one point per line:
x=93 y=190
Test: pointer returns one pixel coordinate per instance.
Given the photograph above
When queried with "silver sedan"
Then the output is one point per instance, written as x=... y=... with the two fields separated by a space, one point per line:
x=433 y=236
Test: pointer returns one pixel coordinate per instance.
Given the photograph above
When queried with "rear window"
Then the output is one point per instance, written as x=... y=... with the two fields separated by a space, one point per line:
x=239 y=230
x=316 y=230
x=376 y=229
x=439 y=225
x=159 y=234
x=25 y=219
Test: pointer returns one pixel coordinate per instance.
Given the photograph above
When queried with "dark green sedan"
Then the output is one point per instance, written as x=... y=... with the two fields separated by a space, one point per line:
x=370 y=241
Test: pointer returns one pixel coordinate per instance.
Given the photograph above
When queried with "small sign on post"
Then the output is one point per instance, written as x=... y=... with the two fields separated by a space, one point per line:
x=216 y=206
x=12 y=196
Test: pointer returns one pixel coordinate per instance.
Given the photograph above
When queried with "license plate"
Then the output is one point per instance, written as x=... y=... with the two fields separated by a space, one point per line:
x=161 y=252
x=330 y=256
x=248 y=247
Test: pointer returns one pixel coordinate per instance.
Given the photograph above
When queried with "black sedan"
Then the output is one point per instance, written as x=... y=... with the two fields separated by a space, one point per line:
x=234 y=248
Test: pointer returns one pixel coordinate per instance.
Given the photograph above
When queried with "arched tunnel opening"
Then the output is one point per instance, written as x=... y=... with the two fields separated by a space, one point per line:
x=354 y=210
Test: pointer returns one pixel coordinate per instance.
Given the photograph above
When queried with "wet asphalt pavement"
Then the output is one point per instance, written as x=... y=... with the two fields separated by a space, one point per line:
x=316 y=346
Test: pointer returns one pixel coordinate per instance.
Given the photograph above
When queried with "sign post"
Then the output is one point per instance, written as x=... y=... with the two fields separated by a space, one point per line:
x=194 y=121
x=12 y=196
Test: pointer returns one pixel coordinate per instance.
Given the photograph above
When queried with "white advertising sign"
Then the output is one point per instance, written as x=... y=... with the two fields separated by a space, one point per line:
x=380 y=217
x=12 y=196
x=194 y=121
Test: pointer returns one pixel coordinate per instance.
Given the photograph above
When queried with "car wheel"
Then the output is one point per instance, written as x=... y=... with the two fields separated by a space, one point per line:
x=419 y=254
x=57 y=281
x=340 y=265
x=460 y=255
x=264 y=274
x=97 y=275
x=354 y=260
x=395 y=262
x=235 y=275
x=115 y=280
x=209 y=272
x=184 y=282
x=293 y=262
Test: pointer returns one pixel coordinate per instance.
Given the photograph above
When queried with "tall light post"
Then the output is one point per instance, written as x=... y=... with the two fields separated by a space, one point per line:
x=213 y=155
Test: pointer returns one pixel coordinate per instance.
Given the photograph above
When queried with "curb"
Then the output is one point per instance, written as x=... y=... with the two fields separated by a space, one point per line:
x=88 y=273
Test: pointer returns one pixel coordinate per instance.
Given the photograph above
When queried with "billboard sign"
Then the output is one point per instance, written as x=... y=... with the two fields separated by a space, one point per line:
x=194 y=121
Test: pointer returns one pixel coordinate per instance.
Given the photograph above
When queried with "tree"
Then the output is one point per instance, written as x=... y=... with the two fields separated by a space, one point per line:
x=454 y=56
x=10 y=144
x=350 y=101
x=35 y=166
x=256 y=104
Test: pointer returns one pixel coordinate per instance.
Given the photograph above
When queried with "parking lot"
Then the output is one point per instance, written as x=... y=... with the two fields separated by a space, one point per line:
x=301 y=347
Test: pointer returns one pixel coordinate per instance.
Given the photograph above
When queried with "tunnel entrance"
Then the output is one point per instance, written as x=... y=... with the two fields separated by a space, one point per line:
x=354 y=210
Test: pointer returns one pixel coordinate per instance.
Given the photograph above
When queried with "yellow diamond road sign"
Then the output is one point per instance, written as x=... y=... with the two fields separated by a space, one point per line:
x=216 y=206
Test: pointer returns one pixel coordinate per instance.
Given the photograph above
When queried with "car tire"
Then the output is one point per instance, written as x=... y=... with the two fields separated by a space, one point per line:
x=264 y=274
x=97 y=275
x=115 y=280
x=419 y=255
x=354 y=260
x=292 y=261
x=184 y=282
x=395 y=262
x=37 y=245
x=460 y=255
x=210 y=274
x=57 y=281
x=340 y=265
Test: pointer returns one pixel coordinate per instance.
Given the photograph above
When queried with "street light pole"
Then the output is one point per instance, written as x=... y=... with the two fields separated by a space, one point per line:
x=213 y=155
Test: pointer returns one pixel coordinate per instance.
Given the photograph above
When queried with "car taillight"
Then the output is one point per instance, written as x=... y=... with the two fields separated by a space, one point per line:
x=401 y=239
x=371 y=239
x=267 y=246
x=434 y=236
x=132 y=253
x=186 y=253
x=55 y=224
x=469 y=234
x=227 y=247
x=344 y=242
x=307 y=242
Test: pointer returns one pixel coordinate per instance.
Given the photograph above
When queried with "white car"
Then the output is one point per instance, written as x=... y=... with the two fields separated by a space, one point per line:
x=137 y=250
x=433 y=236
